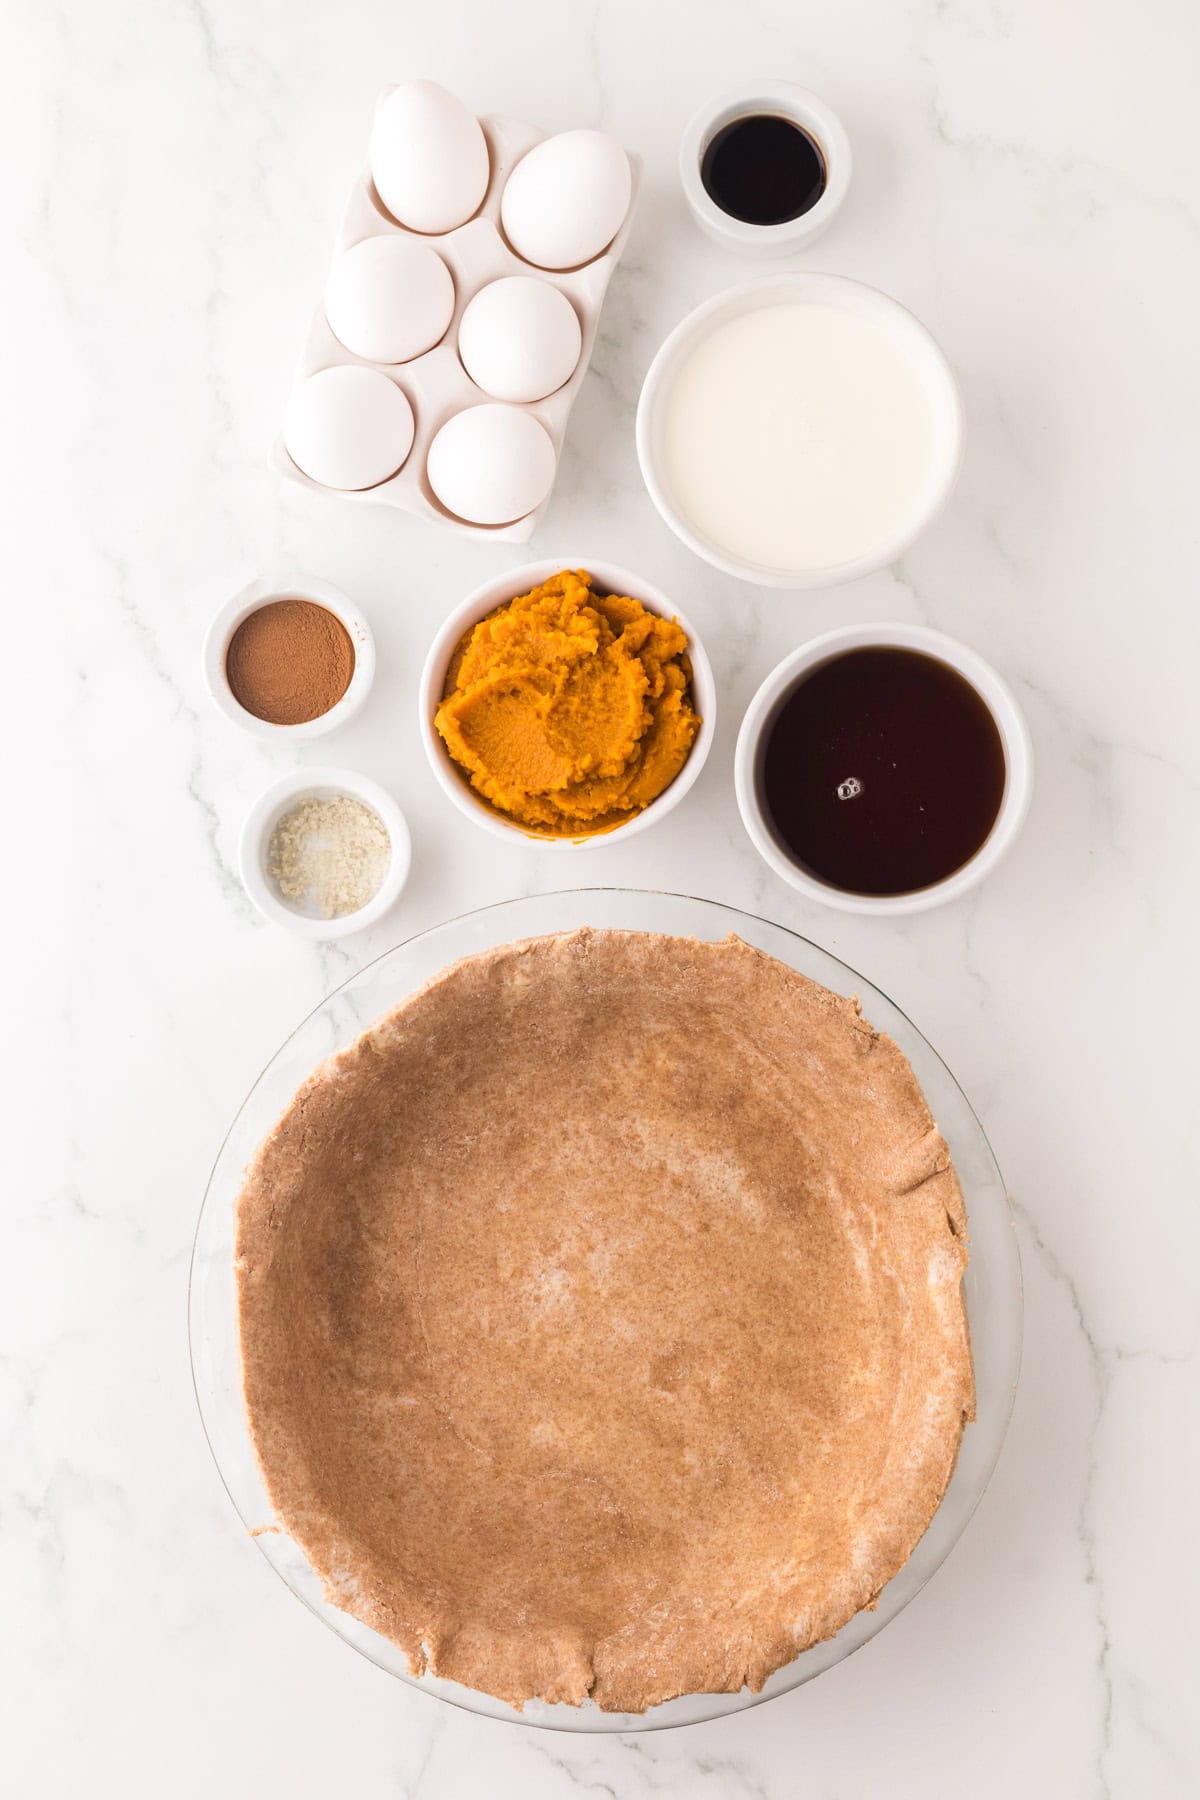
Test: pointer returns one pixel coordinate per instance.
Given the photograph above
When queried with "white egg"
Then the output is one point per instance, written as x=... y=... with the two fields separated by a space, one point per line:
x=389 y=298
x=566 y=199
x=348 y=427
x=519 y=338
x=429 y=157
x=491 y=464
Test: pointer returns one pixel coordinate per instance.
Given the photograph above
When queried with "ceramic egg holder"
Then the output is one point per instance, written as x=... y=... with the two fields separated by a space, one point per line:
x=435 y=383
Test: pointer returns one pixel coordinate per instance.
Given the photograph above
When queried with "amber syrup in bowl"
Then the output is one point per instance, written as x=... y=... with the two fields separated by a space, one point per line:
x=881 y=771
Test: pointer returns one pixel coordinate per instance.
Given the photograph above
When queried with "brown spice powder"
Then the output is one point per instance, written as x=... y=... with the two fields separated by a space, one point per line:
x=289 y=662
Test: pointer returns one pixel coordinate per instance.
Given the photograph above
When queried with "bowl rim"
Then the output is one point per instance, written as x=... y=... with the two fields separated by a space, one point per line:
x=264 y=815
x=749 y=296
x=489 y=595
x=992 y=689
x=260 y=592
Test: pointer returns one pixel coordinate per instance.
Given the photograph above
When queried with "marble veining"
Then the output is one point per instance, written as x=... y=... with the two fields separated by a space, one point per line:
x=1025 y=180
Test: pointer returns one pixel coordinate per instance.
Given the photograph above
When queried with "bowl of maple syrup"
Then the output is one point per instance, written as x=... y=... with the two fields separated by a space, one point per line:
x=883 y=769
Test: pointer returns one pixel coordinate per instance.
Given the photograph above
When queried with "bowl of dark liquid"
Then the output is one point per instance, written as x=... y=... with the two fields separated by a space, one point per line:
x=883 y=768
x=765 y=168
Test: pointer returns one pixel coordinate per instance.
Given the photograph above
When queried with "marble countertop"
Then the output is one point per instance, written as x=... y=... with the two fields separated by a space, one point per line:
x=1026 y=180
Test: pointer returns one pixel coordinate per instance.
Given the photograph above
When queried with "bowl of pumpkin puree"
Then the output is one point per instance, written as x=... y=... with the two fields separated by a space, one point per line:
x=567 y=702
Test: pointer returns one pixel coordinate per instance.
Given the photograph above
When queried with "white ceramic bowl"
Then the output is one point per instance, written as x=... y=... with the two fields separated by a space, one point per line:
x=248 y=600
x=783 y=100
x=486 y=599
x=825 y=290
x=1010 y=722
x=280 y=798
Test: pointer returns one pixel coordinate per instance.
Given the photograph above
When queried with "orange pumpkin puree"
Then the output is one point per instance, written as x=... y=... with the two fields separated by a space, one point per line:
x=570 y=710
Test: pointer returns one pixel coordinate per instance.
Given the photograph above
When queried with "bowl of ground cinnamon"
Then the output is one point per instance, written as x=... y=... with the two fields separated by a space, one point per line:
x=289 y=658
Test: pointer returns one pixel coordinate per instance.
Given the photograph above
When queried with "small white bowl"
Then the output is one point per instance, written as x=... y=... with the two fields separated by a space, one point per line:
x=614 y=580
x=782 y=99
x=280 y=798
x=824 y=290
x=1010 y=722
x=260 y=593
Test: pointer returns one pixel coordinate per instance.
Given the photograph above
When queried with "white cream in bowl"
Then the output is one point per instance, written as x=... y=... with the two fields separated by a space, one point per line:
x=800 y=430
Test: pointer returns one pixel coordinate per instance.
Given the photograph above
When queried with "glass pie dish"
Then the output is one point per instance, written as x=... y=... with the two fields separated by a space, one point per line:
x=992 y=1284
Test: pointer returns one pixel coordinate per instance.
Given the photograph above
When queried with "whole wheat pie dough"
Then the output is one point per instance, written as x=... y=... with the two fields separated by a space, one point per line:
x=601 y=1318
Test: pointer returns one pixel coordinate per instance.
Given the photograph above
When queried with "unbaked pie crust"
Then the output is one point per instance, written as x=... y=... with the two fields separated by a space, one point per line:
x=601 y=1319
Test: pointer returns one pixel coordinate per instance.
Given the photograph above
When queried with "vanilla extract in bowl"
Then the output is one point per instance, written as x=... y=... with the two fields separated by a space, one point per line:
x=881 y=772
x=763 y=169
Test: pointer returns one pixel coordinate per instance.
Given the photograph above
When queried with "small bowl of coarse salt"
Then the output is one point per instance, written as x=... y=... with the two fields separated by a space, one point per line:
x=324 y=852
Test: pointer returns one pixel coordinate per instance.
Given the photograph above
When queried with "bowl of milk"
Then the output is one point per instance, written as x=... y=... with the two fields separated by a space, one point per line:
x=800 y=430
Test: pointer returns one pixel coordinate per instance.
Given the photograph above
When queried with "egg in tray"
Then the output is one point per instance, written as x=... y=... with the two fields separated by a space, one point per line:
x=459 y=314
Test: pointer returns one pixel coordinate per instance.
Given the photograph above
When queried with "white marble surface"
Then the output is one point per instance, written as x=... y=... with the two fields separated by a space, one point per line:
x=1026 y=180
